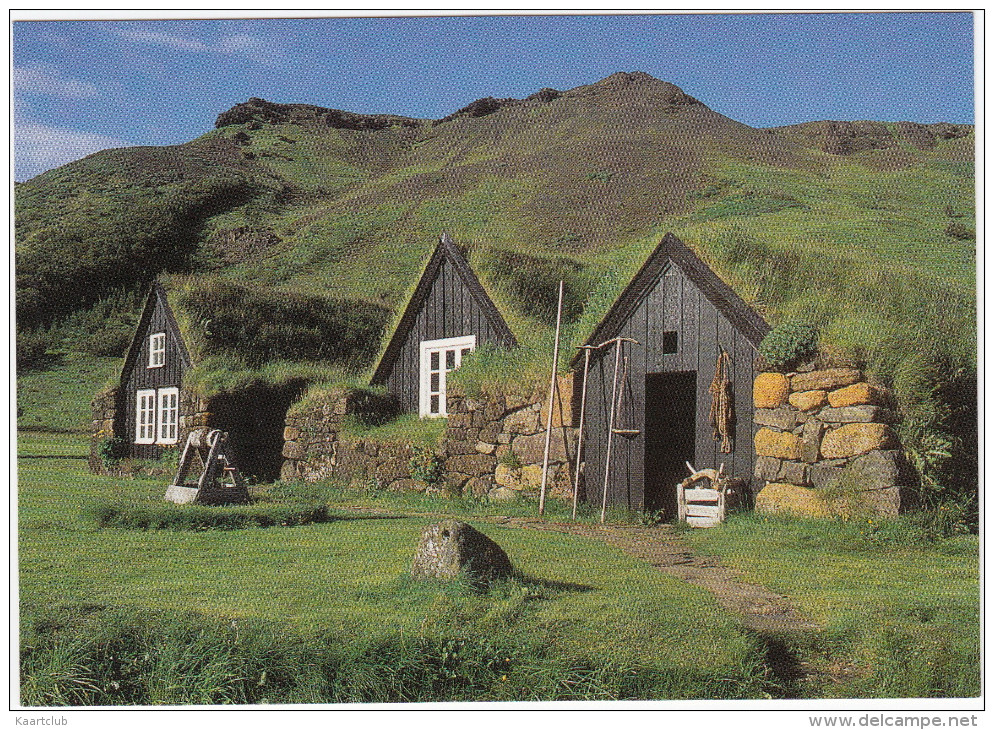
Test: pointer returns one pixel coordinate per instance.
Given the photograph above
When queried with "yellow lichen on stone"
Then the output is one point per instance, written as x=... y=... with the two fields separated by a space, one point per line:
x=854 y=439
x=857 y=394
x=770 y=390
x=788 y=499
x=778 y=444
x=808 y=400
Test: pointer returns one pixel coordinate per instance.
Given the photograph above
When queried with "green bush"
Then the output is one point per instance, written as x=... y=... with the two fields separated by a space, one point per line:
x=32 y=348
x=109 y=342
x=426 y=466
x=166 y=516
x=113 y=449
x=789 y=344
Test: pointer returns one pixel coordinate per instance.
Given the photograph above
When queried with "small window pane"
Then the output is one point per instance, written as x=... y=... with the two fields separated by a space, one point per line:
x=450 y=359
x=670 y=343
x=465 y=352
x=434 y=404
x=434 y=360
x=434 y=382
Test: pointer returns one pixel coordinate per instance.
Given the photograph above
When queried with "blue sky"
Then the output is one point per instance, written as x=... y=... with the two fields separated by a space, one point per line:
x=82 y=86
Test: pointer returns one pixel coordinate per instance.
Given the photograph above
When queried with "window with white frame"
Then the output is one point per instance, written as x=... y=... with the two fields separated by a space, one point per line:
x=145 y=417
x=157 y=350
x=168 y=416
x=438 y=359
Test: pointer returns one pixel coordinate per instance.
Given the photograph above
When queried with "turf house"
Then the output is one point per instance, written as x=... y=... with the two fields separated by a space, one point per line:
x=212 y=354
x=679 y=324
x=449 y=315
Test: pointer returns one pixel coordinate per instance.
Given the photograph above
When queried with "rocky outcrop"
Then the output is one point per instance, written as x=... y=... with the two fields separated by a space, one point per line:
x=259 y=110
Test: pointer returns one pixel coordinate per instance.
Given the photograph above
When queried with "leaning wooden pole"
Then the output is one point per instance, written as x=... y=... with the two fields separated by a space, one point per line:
x=552 y=397
x=579 y=434
x=610 y=428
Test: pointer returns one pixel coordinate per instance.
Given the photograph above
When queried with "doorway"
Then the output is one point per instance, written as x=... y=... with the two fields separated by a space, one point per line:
x=670 y=427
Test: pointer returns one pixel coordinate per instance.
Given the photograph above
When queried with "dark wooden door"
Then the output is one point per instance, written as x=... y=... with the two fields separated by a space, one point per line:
x=670 y=405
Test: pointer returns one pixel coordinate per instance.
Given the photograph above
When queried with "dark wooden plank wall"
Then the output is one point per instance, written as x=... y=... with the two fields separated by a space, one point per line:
x=449 y=310
x=674 y=304
x=141 y=377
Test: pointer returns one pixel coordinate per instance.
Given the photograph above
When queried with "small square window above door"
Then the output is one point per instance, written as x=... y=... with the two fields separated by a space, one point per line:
x=438 y=359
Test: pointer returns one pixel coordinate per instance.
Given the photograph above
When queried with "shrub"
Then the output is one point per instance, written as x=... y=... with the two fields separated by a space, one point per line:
x=32 y=348
x=789 y=344
x=113 y=449
x=201 y=517
x=426 y=466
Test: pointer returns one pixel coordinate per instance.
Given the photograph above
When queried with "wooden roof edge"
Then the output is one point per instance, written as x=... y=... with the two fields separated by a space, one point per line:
x=156 y=292
x=139 y=335
x=476 y=288
x=671 y=248
x=408 y=318
x=747 y=320
x=171 y=319
x=444 y=250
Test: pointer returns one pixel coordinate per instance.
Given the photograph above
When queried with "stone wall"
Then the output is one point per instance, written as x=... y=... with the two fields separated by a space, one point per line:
x=103 y=409
x=194 y=412
x=826 y=444
x=493 y=446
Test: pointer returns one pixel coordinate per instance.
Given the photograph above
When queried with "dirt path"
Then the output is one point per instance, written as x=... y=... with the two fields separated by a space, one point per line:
x=758 y=608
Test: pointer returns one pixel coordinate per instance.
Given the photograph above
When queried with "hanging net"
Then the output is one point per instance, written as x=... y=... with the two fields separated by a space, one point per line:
x=722 y=408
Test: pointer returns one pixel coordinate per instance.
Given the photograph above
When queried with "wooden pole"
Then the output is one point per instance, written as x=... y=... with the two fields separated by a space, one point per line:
x=610 y=428
x=579 y=435
x=552 y=396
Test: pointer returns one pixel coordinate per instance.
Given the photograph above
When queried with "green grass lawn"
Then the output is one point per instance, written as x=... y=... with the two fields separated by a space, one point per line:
x=582 y=619
x=57 y=398
x=901 y=616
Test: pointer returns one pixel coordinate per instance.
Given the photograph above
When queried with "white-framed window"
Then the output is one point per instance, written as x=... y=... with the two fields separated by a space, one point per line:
x=157 y=350
x=438 y=359
x=145 y=417
x=168 y=416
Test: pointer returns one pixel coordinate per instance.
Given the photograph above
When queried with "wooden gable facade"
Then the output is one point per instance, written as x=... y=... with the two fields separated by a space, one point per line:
x=683 y=318
x=449 y=314
x=148 y=397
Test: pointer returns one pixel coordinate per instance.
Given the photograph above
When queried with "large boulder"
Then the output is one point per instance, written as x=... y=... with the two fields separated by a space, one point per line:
x=452 y=548
x=792 y=500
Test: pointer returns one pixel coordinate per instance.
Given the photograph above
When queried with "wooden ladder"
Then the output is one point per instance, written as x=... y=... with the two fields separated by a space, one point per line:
x=219 y=483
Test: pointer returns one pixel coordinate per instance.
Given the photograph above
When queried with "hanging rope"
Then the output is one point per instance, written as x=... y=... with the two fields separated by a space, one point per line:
x=722 y=409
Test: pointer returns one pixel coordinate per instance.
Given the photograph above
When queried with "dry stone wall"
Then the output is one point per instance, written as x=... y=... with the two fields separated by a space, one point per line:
x=493 y=446
x=194 y=412
x=826 y=444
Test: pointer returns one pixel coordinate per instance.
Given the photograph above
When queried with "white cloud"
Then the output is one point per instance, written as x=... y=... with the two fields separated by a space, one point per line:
x=38 y=148
x=176 y=42
x=258 y=49
x=44 y=80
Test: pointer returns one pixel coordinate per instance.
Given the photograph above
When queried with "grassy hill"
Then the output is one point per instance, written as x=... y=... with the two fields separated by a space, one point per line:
x=865 y=229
